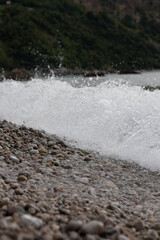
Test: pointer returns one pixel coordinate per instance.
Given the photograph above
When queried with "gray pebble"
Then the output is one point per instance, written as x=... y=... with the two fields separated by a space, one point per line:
x=74 y=225
x=122 y=237
x=14 y=159
x=3 y=224
x=152 y=235
x=27 y=219
x=2 y=158
x=138 y=225
x=93 y=227
x=34 y=151
x=156 y=226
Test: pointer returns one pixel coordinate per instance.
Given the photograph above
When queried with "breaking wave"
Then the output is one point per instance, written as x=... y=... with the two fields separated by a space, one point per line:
x=113 y=118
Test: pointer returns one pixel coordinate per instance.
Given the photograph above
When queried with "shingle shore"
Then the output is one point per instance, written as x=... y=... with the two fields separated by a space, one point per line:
x=50 y=190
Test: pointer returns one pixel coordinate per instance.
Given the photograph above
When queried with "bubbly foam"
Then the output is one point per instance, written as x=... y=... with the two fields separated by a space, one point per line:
x=115 y=119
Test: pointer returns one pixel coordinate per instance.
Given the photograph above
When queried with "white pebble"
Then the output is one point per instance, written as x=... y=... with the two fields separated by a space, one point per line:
x=27 y=219
x=14 y=159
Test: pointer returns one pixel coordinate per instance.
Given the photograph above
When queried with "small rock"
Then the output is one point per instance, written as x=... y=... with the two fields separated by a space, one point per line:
x=42 y=150
x=19 y=74
x=93 y=227
x=34 y=151
x=85 y=152
x=152 y=235
x=64 y=211
x=31 y=210
x=91 y=191
x=3 y=224
x=54 y=152
x=5 y=237
x=22 y=178
x=138 y=225
x=27 y=220
x=110 y=185
x=14 y=159
x=45 y=217
x=4 y=201
x=2 y=158
x=60 y=156
x=49 y=194
x=122 y=237
x=50 y=143
x=32 y=188
x=156 y=226
x=103 y=218
x=12 y=209
x=26 y=236
x=19 y=191
x=91 y=237
x=59 y=236
x=84 y=180
x=13 y=226
x=109 y=230
x=14 y=185
x=55 y=227
x=74 y=236
x=30 y=207
x=74 y=225
x=87 y=159
x=67 y=167
x=111 y=207
x=26 y=174
x=56 y=163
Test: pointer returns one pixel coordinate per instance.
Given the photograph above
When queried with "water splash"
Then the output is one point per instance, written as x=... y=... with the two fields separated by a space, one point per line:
x=118 y=120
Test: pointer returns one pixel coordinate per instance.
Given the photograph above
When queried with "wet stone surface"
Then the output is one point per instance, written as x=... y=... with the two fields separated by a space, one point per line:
x=50 y=190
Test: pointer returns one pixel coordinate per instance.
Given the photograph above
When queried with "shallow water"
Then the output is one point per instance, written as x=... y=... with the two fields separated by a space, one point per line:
x=112 y=114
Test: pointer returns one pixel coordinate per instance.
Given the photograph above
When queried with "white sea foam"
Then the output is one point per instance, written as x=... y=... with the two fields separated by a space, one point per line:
x=115 y=119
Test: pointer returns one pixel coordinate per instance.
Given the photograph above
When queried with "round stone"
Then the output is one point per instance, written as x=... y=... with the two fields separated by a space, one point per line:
x=122 y=237
x=14 y=159
x=27 y=219
x=93 y=227
x=22 y=178
x=74 y=225
x=2 y=158
x=138 y=225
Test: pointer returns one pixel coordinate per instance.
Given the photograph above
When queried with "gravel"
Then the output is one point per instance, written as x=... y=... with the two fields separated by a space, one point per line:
x=50 y=190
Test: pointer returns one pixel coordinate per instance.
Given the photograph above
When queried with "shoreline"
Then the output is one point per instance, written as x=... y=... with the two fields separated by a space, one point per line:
x=50 y=190
x=21 y=74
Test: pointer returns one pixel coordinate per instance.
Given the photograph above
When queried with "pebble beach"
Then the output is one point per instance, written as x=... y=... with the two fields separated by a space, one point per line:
x=50 y=190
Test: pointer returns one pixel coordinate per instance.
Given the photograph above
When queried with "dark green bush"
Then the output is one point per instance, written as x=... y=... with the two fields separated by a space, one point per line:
x=41 y=33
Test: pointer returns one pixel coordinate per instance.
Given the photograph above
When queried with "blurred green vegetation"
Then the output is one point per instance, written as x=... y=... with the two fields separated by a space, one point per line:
x=52 y=32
